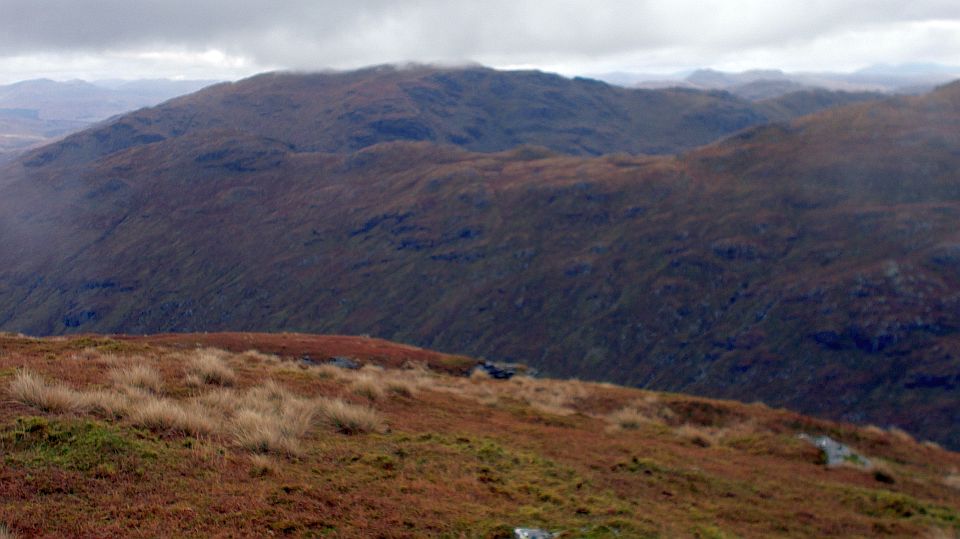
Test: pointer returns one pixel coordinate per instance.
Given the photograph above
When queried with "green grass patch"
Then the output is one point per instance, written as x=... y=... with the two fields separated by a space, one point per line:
x=541 y=492
x=893 y=505
x=80 y=445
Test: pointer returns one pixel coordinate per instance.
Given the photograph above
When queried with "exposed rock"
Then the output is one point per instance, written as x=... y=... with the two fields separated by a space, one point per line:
x=343 y=363
x=496 y=371
x=337 y=361
x=532 y=533
x=836 y=453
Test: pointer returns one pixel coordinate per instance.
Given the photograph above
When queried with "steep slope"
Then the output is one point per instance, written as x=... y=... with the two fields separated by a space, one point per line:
x=103 y=436
x=812 y=265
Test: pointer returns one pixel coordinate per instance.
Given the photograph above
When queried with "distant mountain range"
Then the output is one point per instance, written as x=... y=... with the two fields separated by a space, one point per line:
x=36 y=111
x=811 y=263
x=771 y=83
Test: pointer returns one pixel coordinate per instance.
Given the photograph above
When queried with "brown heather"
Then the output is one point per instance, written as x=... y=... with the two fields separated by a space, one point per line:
x=296 y=449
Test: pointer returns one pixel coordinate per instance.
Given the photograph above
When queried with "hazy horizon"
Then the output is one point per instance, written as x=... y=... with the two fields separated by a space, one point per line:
x=918 y=69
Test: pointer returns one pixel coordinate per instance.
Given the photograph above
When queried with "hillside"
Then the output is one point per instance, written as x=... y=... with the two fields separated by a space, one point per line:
x=810 y=265
x=169 y=436
x=477 y=109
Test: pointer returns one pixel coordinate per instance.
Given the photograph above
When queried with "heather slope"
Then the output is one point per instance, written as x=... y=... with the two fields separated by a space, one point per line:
x=106 y=436
x=811 y=265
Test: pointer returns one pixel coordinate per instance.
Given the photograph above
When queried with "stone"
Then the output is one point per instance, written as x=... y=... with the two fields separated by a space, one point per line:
x=498 y=372
x=532 y=533
x=837 y=453
x=343 y=363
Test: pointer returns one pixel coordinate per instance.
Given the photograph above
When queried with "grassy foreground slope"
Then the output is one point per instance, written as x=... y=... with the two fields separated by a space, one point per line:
x=167 y=435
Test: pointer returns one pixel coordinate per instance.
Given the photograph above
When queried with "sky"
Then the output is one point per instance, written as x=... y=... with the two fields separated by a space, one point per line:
x=230 y=39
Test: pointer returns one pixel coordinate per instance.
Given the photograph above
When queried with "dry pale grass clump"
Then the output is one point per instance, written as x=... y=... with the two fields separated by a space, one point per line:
x=902 y=435
x=418 y=373
x=6 y=533
x=33 y=390
x=263 y=465
x=106 y=403
x=941 y=533
x=401 y=387
x=256 y=357
x=629 y=418
x=556 y=397
x=327 y=371
x=647 y=410
x=699 y=435
x=350 y=418
x=138 y=376
x=479 y=375
x=262 y=433
x=370 y=368
x=368 y=385
x=263 y=419
x=208 y=366
x=952 y=480
x=169 y=415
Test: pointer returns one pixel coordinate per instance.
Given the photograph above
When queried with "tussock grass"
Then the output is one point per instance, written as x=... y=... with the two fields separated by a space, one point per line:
x=699 y=435
x=350 y=418
x=209 y=367
x=267 y=418
x=263 y=465
x=7 y=533
x=401 y=387
x=479 y=375
x=327 y=371
x=369 y=386
x=629 y=418
x=941 y=533
x=952 y=480
x=32 y=390
x=370 y=368
x=107 y=403
x=260 y=432
x=263 y=419
x=257 y=357
x=138 y=376
x=168 y=415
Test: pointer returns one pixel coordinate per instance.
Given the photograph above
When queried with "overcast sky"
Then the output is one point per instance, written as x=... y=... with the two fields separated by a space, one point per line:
x=226 y=39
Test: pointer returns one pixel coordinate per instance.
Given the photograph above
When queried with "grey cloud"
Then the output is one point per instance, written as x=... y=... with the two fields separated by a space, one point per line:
x=321 y=33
